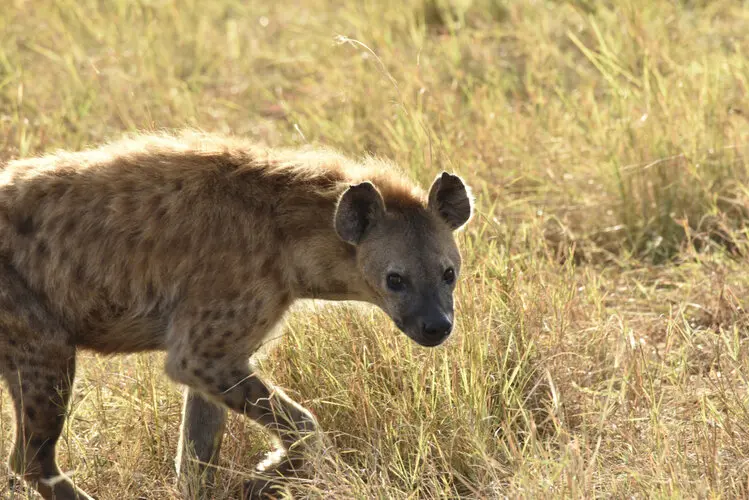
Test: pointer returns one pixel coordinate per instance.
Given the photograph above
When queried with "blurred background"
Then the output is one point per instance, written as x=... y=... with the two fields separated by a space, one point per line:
x=602 y=343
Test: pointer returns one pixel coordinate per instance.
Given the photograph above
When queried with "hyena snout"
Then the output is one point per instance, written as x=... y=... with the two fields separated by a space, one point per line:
x=434 y=328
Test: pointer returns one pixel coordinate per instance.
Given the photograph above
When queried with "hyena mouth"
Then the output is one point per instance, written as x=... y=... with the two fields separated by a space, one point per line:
x=429 y=342
x=400 y=325
x=419 y=338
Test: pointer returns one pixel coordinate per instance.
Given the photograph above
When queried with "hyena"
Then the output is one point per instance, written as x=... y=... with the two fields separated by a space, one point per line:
x=197 y=244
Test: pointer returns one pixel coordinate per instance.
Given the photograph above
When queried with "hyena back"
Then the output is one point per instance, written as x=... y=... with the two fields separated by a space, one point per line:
x=196 y=245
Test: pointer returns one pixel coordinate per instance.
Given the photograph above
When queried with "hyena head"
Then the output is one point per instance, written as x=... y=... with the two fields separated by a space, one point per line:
x=407 y=255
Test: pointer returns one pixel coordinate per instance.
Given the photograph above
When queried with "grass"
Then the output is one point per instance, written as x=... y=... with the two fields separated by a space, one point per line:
x=602 y=347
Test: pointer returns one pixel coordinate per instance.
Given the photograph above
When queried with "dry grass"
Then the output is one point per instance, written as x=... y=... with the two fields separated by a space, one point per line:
x=602 y=346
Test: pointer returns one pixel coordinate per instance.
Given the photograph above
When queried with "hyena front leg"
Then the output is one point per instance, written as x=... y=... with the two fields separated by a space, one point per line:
x=37 y=360
x=206 y=360
x=201 y=435
x=244 y=392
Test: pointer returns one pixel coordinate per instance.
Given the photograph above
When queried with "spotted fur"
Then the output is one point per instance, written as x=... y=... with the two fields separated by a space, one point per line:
x=191 y=243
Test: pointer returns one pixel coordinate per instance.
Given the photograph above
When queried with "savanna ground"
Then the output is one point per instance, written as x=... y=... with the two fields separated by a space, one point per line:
x=602 y=345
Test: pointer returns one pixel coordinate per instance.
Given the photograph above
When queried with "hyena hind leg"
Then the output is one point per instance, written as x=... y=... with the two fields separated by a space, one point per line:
x=201 y=435
x=38 y=364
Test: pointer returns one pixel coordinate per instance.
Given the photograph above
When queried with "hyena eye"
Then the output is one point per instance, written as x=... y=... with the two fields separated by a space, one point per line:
x=395 y=282
x=449 y=276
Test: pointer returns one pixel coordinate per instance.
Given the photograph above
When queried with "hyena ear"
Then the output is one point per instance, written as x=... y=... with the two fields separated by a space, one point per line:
x=359 y=207
x=450 y=199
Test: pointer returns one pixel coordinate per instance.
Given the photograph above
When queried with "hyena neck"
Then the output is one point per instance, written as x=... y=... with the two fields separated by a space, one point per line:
x=324 y=266
x=331 y=279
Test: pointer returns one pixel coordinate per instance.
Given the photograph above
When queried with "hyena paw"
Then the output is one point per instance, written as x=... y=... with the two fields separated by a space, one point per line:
x=263 y=489
x=15 y=485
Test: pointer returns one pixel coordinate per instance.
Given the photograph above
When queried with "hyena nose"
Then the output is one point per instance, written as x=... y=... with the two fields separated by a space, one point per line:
x=437 y=327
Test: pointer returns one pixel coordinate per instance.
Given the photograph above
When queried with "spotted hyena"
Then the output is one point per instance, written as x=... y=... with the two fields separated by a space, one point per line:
x=197 y=244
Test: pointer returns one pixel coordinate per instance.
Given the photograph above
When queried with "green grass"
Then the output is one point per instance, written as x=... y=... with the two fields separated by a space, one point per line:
x=602 y=347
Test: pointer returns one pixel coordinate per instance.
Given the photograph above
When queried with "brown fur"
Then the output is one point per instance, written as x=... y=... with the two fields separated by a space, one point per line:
x=193 y=243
